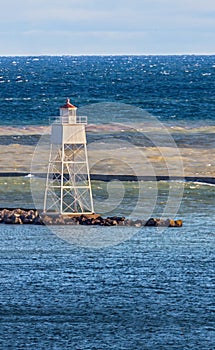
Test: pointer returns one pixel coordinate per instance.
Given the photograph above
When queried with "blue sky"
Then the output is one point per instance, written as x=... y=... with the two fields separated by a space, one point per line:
x=81 y=27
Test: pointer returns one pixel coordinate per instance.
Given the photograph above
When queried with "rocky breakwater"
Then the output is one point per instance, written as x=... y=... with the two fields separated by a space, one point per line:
x=33 y=217
x=20 y=216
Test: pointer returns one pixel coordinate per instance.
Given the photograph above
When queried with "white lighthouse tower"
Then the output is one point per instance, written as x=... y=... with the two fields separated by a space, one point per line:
x=68 y=187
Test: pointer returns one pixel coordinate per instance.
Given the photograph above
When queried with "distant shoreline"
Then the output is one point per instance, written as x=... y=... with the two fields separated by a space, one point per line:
x=122 y=177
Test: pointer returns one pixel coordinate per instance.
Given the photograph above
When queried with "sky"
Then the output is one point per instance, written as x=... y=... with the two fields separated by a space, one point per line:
x=93 y=27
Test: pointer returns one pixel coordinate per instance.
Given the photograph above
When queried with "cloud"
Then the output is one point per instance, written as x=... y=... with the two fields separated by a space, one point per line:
x=98 y=12
x=98 y=24
x=115 y=42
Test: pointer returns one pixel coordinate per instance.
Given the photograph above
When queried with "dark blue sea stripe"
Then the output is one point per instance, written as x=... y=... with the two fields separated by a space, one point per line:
x=122 y=177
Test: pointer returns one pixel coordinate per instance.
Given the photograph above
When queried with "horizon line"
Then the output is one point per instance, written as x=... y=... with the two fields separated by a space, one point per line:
x=109 y=54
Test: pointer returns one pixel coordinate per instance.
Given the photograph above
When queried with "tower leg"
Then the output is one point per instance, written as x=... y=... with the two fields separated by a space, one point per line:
x=88 y=176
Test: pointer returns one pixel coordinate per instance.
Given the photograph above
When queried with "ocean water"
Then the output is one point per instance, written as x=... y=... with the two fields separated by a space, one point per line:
x=176 y=89
x=153 y=291
x=103 y=288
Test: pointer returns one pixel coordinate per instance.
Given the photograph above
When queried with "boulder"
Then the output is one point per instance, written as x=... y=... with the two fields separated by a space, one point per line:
x=175 y=223
x=12 y=219
x=139 y=223
x=151 y=222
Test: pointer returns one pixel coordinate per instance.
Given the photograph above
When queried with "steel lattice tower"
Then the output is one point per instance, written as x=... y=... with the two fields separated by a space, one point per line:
x=68 y=187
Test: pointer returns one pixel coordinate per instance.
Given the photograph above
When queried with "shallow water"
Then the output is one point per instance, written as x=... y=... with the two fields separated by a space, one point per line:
x=120 y=198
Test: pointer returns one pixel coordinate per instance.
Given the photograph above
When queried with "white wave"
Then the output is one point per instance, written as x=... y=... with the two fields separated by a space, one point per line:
x=29 y=175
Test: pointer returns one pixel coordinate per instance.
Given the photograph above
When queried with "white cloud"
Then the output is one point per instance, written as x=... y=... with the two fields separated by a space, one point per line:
x=112 y=21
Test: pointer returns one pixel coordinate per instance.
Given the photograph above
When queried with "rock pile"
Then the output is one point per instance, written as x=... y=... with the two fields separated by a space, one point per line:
x=32 y=216
x=20 y=216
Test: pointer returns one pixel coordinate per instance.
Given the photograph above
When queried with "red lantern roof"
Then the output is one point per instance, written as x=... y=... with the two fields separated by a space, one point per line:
x=68 y=104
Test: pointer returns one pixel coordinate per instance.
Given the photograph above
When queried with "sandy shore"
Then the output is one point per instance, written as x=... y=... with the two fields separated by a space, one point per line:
x=134 y=161
x=117 y=157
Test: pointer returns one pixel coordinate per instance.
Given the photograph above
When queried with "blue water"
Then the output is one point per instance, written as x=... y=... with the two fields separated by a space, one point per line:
x=155 y=291
x=174 y=88
x=102 y=289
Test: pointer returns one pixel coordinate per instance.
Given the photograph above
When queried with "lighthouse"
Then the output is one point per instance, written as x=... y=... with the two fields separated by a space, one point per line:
x=68 y=187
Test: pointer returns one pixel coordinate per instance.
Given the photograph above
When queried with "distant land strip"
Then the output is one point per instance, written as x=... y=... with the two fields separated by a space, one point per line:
x=122 y=177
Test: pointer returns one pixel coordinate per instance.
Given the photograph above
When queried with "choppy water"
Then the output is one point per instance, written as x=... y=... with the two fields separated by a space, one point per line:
x=154 y=291
x=193 y=198
x=177 y=89
x=109 y=288
x=136 y=289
